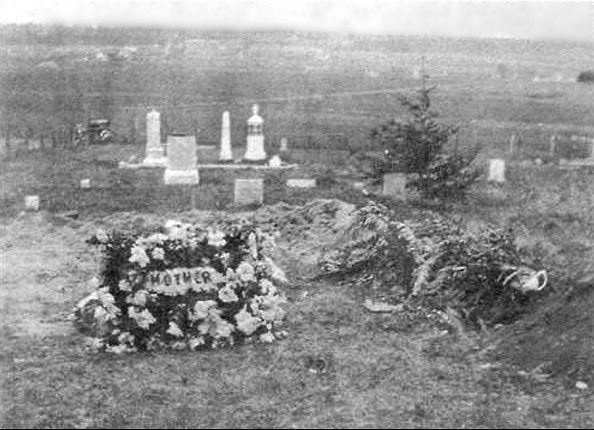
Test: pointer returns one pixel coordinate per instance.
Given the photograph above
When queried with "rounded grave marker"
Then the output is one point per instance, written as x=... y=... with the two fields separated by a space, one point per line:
x=32 y=203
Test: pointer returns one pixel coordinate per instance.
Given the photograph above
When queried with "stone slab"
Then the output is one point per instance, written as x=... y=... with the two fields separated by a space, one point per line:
x=32 y=203
x=249 y=191
x=301 y=183
x=394 y=185
x=181 y=160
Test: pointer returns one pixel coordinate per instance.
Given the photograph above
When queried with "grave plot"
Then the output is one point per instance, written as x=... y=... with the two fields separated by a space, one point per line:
x=188 y=288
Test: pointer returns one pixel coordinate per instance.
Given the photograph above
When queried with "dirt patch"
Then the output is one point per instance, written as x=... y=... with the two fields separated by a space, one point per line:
x=44 y=265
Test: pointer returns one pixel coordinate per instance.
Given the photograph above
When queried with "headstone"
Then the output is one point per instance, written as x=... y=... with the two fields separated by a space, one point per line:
x=181 y=160
x=249 y=191
x=284 y=145
x=552 y=146
x=155 y=153
x=513 y=140
x=32 y=203
x=226 y=153
x=301 y=183
x=394 y=185
x=34 y=144
x=496 y=170
x=85 y=184
x=275 y=161
x=255 y=137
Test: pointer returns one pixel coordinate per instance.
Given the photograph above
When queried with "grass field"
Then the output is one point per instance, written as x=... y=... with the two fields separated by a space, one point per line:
x=382 y=370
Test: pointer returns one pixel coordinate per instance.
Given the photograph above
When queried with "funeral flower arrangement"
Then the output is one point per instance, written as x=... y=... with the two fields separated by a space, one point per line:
x=183 y=287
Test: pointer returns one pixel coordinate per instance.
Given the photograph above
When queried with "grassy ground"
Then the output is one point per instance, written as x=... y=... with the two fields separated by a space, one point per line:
x=400 y=370
x=381 y=370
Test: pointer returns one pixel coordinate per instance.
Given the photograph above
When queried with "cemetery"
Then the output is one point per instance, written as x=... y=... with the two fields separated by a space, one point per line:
x=250 y=268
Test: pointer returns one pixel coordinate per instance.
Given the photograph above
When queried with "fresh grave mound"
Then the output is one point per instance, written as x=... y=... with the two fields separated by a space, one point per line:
x=305 y=231
x=434 y=262
x=181 y=287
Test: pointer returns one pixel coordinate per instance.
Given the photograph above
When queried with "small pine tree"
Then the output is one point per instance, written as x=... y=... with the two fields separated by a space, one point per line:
x=416 y=146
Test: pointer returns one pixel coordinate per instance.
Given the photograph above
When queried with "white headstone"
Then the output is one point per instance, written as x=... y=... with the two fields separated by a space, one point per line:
x=32 y=203
x=255 y=137
x=155 y=153
x=249 y=191
x=226 y=153
x=34 y=144
x=85 y=184
x=394 y=185
x=301 y=183
x=275 y=161
x=496 y=170
x=181 y=160
x=284 y=145
x=552 y=146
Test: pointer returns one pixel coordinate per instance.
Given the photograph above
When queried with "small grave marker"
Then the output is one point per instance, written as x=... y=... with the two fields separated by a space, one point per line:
x=496 y=170
x=34 y=145
x=32 y=203
x=85 y=184
x=284 y=146
x=249 y=191
x=394 y=185
x=301 y=183
x=275 y=161
x=181 y=160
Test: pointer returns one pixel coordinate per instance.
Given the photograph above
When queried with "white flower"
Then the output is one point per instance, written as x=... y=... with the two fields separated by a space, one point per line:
x=177 y=229
x=267 y=287
x=245 y=271
x=227 y=295
x=224 y=329
x=158 y=253
x=144 y=319
x=156 y=238
x=138 y=299
x=270 y=308
x=267 y=337
x=124 y=285
x=108 y=302
x=101 y=236
x=246 y=322
x=139 y=256
x=174 y=330
x=179 y=345
x=216 y=238
x=253 y=245
x=224 y=258
x=202 y=308
x=126 y=337
x=196 y=342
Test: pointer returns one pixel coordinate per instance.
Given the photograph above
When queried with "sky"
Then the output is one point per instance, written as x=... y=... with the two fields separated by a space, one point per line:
x=551 y=20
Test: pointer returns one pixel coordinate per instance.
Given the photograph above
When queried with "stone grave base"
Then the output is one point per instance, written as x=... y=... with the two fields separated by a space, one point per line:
x=394 y=185
x=301 y=183
x=154 y=161
x=177 y=177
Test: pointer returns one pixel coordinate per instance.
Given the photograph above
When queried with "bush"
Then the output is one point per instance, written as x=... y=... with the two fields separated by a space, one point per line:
x=184 y=287
x=586 y=76
x=434 y=262
x=416 y=146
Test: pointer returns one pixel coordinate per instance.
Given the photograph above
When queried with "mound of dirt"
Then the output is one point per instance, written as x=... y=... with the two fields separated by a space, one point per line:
x=304 y=232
